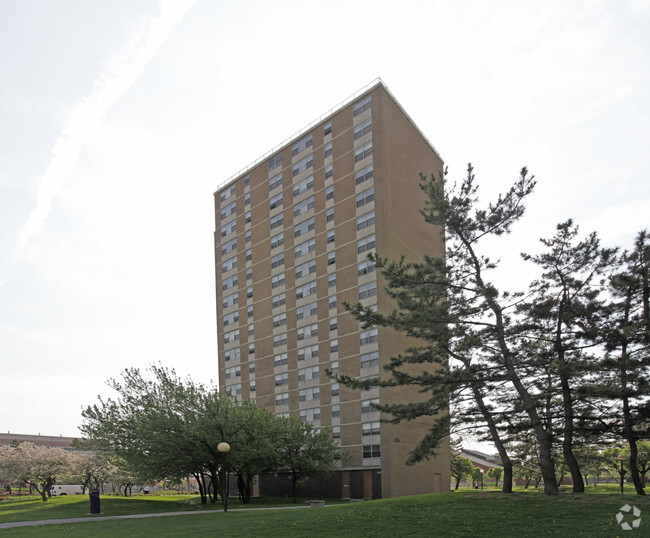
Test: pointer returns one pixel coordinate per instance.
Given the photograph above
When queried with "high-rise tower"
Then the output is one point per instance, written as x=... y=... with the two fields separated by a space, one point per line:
x=292 y=237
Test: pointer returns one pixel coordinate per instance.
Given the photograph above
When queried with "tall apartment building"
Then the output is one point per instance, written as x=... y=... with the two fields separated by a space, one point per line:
x=293 y=232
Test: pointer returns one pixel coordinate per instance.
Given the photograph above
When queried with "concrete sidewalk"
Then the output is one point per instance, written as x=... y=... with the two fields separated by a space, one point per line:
x=135 y=516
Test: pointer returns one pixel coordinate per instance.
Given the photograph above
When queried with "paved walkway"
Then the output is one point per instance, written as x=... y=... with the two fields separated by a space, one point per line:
x=134 y=516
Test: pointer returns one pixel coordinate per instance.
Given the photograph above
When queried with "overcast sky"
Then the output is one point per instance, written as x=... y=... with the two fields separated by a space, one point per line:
x=120 y=118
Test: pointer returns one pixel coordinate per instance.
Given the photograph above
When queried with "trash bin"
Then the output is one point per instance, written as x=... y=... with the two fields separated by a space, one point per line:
x=94 y=501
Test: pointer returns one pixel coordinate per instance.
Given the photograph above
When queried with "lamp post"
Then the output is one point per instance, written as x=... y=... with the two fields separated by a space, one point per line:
x=224 y=448
x=482 y=471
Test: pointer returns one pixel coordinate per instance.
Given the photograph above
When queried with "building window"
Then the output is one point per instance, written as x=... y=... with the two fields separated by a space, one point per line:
x=251 y=367
x=229 y=264
x=304 y=248
x=336 y=410
x=249 y=273
x=327 y=128
x=369 y=359
x=280 y=359
x=277 y=260
x=249 y=236
x=329 y=171
x=310 y=415
x=282 y=398
x=303 y=186
x=371 y=451
x=335 y=389
x=275 y=201
x=334 y=324
x=251 y=386
x=277 y=240
x=229 y=228
x=306 y=290
x=307 y=395
x=277 y=280
x=301 y=145
x=366 y=267
x=362 y=152
x=280 y=319
x=304 y=227
x=331 y=302
x=251 y=330
x=303 y=164
x=228 y=246
x=331 y=258
x=329 y=192
x=249 y=311
x=275 y=181
x=230 y=300
x=249 y=292
x=228 y=210
x=229 y=282
x=330 y=236
x=276 y=221
x=369 y=406
x=331 y=280
x=247 y=180
x=247 y=198
x=367 y=290
x=365 y=197
x=251 y=349
x=227 y=193
x=279 y=300
x=305 y=269
x=281 y=379
x=334 y=367
x=369 y=336
x=364 y=174
x=303 y=207
x=307 y=332
x=275 y=161
x=234 y=390
x=229 y=319
x=249 y=254
x=232 y=354
x=334 y=346
x=328 y=149
x=231 y=336
x=363 y=128
x=235 y=371
x=280 y=340
x=329 y=214
x=306 y=311
x=366 y=243
x=362 y=105
x=307 y=352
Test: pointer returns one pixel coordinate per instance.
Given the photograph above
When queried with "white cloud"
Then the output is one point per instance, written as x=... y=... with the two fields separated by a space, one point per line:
x=120 y=72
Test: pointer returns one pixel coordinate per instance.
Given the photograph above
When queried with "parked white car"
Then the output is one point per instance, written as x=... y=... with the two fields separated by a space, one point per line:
x=66 y=490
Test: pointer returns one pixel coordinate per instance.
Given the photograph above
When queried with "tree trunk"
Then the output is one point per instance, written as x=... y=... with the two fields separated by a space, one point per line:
x=496 y=439
x=457 y=482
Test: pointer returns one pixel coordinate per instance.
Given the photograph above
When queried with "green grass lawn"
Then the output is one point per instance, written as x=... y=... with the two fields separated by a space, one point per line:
x=463 y=513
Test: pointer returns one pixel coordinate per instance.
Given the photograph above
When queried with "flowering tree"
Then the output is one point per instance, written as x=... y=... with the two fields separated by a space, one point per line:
x=38 y=466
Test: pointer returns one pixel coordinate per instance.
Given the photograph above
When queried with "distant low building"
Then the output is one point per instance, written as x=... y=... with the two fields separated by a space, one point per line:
x=481 y=460
x=42 y=440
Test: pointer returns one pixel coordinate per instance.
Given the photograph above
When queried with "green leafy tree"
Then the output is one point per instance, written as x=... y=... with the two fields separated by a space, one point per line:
x=305 y=452
x=563 y=311
x=165 y=427
x=496 y=473
x=624 y=378
x=461 y=469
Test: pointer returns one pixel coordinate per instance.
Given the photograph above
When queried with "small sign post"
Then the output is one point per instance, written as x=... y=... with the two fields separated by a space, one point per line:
x=94 y=501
